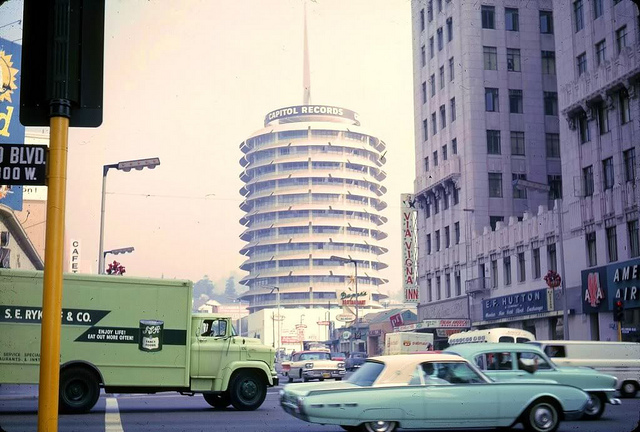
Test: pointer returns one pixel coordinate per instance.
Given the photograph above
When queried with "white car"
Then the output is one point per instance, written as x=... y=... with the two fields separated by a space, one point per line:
x=308 y=365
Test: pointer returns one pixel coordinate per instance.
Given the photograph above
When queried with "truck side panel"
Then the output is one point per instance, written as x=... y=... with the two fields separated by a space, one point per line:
x=134 y=331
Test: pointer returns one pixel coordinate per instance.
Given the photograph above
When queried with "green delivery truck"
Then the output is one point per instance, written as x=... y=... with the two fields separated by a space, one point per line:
x=130 y=335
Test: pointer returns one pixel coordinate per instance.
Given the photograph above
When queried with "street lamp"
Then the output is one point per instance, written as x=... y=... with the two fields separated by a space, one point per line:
x=301 y=332
x=125 y=166
x=276 y=288
x=118 y=251
x=355 y=264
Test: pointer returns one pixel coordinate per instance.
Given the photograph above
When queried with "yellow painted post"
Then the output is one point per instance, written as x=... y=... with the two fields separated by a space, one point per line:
x=52 y=289
x=619 y=331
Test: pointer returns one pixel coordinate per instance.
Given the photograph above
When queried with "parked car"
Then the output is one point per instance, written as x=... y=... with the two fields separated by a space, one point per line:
x=508 y=361
x=308 y=365
x=621 y=358
x=338 y=356
x=355 y=360
x=432 y=391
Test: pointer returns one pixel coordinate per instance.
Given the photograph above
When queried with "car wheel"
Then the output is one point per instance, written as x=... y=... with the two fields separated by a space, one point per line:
x=542 y=416
x=290 y=379
x=378 y=426
x=247 y=391
x=79 y=391
x=595 y=407
x=629 y=389
x=217 y=400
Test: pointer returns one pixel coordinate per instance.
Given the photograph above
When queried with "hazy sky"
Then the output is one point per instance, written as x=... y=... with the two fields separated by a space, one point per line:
x=188 y=81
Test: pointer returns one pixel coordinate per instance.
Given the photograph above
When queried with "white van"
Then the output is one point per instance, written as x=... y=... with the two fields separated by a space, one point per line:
x=620 y=359
x=502 y=334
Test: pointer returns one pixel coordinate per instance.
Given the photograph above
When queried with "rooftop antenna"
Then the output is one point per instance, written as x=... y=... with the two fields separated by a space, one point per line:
x=306 y=75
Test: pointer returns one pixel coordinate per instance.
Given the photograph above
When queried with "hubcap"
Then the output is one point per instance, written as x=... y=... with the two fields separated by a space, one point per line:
x=379 y=426
x=76 y=390
x=593 y=406
x=628 y=388
x=249 y=389
x=543 y=417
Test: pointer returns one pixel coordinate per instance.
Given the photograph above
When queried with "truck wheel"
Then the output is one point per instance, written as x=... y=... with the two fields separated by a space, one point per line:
x=79 y=391
x=217 y=400
x=247 y=391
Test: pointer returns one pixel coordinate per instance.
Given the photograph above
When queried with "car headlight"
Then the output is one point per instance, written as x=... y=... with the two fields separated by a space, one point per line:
x=340 y=365
x=281 y=392
x=308 y=366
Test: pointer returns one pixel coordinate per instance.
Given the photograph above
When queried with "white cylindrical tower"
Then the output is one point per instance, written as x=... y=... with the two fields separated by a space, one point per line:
x=313 y=189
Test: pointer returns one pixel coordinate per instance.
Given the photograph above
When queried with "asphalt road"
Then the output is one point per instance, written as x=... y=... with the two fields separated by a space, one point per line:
x=172 y=412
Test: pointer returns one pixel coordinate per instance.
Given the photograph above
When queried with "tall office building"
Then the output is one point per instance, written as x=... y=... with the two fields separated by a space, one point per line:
x=598 y=64
x=486 y=117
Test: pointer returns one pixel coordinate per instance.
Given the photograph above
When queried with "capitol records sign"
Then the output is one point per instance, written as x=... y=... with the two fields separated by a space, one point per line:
x=409 y=249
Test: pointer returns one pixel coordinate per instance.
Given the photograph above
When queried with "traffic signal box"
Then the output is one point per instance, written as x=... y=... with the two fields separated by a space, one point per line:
x=618 y=311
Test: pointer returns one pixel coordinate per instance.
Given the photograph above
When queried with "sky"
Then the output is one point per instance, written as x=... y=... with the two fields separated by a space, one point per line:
x=189 y=81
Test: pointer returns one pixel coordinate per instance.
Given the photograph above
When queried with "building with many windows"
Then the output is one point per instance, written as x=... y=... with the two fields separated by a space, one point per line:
x=486 y=115
x=598 y=51
x=313 y=191
x=499 y=267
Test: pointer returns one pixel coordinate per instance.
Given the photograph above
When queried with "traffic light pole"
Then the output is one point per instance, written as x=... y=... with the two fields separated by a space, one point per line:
x=59 y=115
x=619 y=331
x=53 y=253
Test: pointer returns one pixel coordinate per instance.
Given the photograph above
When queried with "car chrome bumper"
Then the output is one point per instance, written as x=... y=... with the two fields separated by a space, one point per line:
x=276 y=380
x=324 y=374
x=614 y=401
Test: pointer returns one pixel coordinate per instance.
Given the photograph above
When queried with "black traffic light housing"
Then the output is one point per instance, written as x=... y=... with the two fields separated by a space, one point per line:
x=618 y=311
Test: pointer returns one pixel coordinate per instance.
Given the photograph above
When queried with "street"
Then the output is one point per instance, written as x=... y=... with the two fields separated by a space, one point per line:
x=173 y=412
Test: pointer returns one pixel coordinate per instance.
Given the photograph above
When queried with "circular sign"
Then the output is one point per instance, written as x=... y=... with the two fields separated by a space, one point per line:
x=299 y=326
x=345 y=317
x=346 y=335
x=323 y=323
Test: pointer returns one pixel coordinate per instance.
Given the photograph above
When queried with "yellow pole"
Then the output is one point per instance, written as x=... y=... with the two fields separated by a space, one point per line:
x=52 y=286
x=619 y=331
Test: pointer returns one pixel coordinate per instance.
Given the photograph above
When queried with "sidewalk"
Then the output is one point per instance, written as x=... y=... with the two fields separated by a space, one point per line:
x=15 y=392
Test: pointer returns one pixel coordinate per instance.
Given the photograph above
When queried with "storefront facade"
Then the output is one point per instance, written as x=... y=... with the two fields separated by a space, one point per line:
x=603 y=286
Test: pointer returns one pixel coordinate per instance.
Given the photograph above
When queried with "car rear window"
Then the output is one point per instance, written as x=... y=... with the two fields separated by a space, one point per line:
x=555 y=351
x=522 y=340
x=367 y=374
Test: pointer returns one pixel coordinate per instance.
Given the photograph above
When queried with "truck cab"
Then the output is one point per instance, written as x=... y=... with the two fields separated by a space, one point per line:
x=227 y=368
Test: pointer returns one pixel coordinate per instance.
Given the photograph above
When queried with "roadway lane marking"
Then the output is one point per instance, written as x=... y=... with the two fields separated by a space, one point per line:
x=112 y=416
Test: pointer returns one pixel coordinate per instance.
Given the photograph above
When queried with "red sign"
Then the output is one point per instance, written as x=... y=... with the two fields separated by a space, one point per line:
x=396 y=320
x=289 y=340
x=323 y=323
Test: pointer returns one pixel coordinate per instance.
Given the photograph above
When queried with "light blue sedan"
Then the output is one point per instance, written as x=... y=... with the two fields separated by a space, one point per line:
x=507 y=361
x=431 y=391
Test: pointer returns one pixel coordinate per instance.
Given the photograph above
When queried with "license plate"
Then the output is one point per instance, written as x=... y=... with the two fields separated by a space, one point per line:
x=326 y=375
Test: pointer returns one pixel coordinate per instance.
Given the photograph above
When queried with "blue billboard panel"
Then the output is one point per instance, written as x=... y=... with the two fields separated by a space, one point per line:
x=525 y=303
x=11 y=130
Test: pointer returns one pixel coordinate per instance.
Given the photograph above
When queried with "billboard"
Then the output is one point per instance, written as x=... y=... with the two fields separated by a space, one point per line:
x=525 y=303
x=409 y=249
x=602 y=286
x=11 y=130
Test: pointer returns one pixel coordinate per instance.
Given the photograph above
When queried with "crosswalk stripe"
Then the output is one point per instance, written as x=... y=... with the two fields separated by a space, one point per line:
x=112 y=421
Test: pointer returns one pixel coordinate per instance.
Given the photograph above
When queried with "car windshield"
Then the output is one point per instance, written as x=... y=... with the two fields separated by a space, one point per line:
x=367 y=374
x=338 y=355
x=315 y=356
